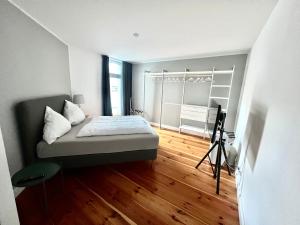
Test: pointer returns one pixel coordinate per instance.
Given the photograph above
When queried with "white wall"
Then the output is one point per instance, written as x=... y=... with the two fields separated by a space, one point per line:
x=8 y=209
x=85 y=73
x=33 y=64
x=268 y=127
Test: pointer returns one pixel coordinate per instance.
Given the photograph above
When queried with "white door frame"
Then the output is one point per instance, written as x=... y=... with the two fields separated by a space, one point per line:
x=8 y=209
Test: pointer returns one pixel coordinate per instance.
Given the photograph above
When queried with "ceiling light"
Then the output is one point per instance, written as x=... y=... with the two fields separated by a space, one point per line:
x=136 y=35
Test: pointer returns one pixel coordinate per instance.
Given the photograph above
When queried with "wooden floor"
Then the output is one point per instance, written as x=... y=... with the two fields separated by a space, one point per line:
x=172 y=191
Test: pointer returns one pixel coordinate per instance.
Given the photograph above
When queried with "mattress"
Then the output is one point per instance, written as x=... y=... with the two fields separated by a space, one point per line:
x=70 y=145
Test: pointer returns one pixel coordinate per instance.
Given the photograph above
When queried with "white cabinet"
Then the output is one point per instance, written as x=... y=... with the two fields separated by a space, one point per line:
x=197 y=113
x=193 y=112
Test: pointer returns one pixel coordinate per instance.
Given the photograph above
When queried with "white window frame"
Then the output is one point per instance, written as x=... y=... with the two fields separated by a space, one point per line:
x=119 y=76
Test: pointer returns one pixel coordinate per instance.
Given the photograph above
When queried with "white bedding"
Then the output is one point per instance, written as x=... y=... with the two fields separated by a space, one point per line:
x=115 y=125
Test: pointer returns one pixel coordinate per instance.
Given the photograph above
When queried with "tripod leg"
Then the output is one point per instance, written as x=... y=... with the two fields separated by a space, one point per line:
x=219 y=172
x=212 y=148
x=217 y=161
x=226 y=161
x=212 y=168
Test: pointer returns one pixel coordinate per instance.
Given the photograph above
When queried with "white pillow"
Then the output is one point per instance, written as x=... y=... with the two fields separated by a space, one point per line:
x=55 y=125
x=73 y=113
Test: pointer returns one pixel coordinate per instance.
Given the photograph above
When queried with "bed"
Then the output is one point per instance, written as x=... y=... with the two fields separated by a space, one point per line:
x=72 y=151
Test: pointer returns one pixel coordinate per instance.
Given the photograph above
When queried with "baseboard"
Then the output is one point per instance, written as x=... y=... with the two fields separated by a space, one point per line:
x=165 y=126
x=241 y=211
x=18 y=190
x=239 y=198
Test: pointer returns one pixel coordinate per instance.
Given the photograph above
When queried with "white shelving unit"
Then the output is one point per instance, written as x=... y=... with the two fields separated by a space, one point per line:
x=203 y=114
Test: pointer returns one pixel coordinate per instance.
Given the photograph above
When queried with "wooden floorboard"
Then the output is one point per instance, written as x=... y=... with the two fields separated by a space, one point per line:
x=190 y=200
x=205 y=166
x=167 y=191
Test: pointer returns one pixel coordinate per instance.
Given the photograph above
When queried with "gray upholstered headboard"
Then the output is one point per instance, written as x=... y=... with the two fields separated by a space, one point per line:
x=30 y=117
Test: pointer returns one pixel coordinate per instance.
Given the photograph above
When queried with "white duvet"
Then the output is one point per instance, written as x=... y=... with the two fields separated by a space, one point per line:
x=114 y=125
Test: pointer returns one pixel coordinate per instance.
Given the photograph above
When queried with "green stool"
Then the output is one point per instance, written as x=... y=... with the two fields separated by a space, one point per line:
x=35 y=174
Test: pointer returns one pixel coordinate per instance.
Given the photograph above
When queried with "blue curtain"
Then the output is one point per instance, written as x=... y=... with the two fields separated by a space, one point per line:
x=106 y=102
x=127 y=87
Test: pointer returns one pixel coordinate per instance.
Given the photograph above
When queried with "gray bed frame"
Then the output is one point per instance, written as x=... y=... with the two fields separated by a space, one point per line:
x=30 y=117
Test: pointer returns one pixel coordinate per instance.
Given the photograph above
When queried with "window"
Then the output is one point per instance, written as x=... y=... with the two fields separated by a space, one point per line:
x=115 y=73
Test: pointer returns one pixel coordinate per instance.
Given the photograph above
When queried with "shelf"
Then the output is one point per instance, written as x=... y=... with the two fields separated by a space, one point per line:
x=215 y=97
x=204 y=73
x=191 y=128
x=171 y=103
x=221 y=86
x=198 y=130
x=216 y=109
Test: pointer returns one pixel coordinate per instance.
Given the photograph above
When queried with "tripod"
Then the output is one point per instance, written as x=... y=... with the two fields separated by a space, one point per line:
x=221 y=148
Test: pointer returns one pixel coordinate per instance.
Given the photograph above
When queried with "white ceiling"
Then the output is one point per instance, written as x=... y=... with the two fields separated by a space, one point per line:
x=168 y=29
